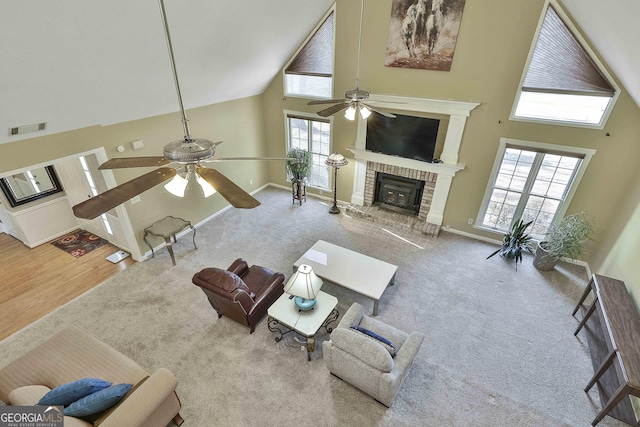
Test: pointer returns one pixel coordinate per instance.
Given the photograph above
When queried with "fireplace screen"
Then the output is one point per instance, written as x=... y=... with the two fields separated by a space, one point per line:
x=398 y=193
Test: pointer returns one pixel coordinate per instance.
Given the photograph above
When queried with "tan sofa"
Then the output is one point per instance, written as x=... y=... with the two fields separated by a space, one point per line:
x=74 y=354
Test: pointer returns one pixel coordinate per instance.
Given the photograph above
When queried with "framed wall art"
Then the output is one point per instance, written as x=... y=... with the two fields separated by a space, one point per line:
x=423 y=33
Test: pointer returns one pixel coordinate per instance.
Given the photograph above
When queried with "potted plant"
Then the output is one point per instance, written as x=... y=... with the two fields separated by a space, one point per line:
x=515 y=241
x=566 y=239
x=298 y=170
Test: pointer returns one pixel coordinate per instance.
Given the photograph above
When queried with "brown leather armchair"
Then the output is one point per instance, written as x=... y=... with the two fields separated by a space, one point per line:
x=241 y=293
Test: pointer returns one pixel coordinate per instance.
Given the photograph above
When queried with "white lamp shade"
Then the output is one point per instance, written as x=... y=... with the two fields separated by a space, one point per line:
x=304 y=283
x=177 y=186
x=350 y=114
x=364 y=112
x=207 y=188
x=336 y=160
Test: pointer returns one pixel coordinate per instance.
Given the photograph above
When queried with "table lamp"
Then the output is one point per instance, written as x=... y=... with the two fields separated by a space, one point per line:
x=304 y=285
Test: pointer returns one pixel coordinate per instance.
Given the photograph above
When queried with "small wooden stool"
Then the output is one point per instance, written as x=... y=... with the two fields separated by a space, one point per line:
x=298 y=191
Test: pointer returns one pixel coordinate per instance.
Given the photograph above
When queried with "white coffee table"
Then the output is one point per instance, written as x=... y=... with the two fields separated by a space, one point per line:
x=306 y=323
x=352 y=270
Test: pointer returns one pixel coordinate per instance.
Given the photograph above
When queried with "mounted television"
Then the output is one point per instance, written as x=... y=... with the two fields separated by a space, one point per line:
x=405 y=136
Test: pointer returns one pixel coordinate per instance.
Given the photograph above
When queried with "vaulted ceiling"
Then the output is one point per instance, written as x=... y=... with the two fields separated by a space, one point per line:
x=77 y=63
x=611 y=27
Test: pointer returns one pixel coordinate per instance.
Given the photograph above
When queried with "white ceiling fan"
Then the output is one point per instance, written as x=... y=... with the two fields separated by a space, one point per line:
x=354 y=100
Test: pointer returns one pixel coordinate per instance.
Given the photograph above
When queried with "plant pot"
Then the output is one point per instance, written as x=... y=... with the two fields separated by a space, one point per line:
x=543 y=260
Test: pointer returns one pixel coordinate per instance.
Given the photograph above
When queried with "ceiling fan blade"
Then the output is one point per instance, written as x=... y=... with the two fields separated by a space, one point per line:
x=134 y=162
x=220 y=159
x=108 y=200
x=227 y=189
x=325 y=101
x=382 y=113
x=333 y=109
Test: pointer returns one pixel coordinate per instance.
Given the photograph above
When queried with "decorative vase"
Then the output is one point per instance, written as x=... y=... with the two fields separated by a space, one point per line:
x=543 y=260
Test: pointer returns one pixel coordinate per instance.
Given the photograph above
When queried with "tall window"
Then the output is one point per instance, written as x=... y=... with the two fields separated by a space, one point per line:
x=94 y=192
x=532 y=181
x=310 y=72
x=313 y=135
x=563 y=82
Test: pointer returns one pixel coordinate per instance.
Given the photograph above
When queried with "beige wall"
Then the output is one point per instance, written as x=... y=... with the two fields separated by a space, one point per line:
x=238 y=123
x=493 y=44
x=618 y=255
x=494 y=40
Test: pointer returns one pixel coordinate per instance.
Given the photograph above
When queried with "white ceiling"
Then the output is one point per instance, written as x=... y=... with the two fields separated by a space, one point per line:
x=612 y=29
x=77 y=63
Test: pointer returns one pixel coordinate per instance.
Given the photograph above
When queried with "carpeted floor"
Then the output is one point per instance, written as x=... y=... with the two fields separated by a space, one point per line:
x=499 y=347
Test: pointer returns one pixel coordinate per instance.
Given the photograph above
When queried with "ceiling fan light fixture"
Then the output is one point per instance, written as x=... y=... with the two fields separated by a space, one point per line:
x=364 y=112
x=350 y=113
x=177 y=186
x=189 y=150
x=207 y=188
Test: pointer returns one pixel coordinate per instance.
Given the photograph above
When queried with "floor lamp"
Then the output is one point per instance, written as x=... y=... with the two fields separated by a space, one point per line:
x=336 y=160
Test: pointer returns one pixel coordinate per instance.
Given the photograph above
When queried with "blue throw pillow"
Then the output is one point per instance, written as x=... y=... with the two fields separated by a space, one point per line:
x=66 y=394
x=382 y=340
x=98 y=401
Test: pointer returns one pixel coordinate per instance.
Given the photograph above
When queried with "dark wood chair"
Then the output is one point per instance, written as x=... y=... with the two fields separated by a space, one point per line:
x=240 y=292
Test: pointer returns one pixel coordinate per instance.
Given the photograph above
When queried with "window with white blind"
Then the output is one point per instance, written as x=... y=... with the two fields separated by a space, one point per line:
x=314 y=135
x=533 y=181
x=564 y=82
x=310 y=72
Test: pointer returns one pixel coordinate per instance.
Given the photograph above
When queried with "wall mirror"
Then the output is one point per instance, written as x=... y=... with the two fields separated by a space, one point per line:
x=27 y=186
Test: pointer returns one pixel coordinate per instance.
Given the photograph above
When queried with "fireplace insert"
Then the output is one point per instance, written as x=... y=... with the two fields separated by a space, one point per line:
x=398 y=193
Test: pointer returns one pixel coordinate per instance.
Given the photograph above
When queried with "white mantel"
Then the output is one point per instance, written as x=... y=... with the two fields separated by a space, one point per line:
x=456 y=110
x=439 y=168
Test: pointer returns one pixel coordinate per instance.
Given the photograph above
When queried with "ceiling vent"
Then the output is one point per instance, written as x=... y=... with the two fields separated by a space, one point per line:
x=20 y=130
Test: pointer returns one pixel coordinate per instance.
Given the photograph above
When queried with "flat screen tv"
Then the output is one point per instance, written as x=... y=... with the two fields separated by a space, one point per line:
x=405 y=136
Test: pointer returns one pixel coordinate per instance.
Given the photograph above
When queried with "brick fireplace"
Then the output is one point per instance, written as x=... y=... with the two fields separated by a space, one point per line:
x=437 y=177
x=370 y=210
x=429 y=180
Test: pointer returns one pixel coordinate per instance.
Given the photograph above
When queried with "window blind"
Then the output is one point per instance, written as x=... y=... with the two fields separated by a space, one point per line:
x=546 y=151
x=315 y=119
x=560 y=64
x=316 y=56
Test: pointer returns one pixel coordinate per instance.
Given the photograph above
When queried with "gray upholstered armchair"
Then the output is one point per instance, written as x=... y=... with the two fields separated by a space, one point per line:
x=367 y=363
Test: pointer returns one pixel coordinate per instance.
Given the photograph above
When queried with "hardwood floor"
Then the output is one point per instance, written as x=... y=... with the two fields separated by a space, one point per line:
x=34 y=282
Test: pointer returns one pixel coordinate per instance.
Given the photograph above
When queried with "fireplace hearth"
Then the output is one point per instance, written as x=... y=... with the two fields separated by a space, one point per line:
x=398 y=193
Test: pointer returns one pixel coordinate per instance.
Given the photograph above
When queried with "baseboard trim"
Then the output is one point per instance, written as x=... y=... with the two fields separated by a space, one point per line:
x=499 y=242
x=315 y=196
x=470 y=235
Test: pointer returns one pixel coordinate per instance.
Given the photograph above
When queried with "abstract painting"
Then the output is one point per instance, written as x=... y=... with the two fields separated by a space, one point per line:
x=423 y=33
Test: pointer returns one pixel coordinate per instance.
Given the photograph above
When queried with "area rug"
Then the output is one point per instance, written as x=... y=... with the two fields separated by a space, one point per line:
x=79 y=242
